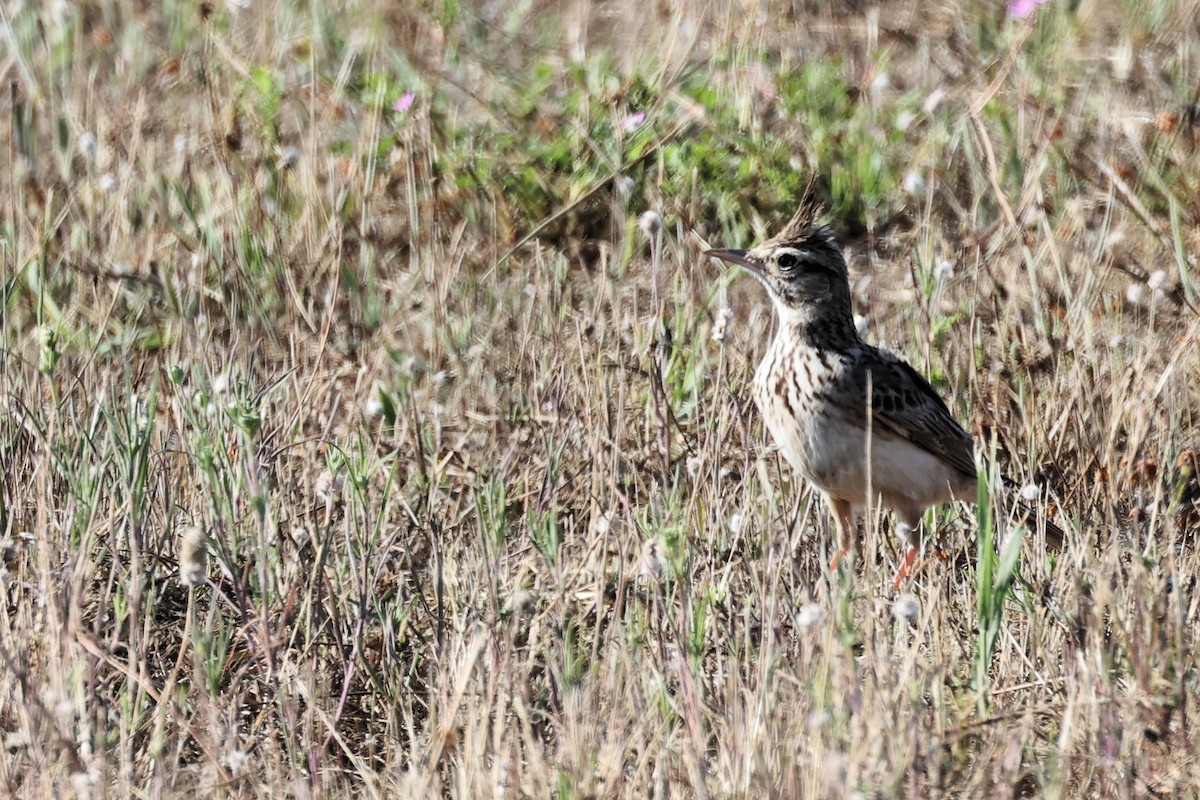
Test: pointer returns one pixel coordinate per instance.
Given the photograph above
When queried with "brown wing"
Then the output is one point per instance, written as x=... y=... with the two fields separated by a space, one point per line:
x=903 y=403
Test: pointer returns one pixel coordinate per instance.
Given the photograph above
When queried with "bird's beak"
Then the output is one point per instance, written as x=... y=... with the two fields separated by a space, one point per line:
x=734 y=257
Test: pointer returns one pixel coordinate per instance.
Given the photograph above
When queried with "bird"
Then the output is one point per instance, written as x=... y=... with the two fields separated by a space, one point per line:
x=847 y=415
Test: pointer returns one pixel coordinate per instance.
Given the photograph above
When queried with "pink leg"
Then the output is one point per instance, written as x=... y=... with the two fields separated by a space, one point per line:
x=843 y=516
x=905 y=568
x=910 y=555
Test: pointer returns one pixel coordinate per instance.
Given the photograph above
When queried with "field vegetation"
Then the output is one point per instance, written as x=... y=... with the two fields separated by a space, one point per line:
x=372 y=424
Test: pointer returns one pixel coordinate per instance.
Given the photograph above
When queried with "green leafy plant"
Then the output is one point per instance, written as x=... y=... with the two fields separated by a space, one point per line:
x=995 y=573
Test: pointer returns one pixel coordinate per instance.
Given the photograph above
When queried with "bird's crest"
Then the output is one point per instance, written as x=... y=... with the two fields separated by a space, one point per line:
x=805 y=223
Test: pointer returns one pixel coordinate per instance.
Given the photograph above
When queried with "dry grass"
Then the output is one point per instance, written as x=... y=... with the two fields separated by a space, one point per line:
x=496 y=520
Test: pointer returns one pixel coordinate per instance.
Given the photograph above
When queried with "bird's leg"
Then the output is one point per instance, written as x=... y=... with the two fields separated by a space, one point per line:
x=843 y=517
x=912 y=539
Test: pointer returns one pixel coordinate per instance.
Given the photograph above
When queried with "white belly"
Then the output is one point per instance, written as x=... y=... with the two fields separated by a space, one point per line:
x=828 y=450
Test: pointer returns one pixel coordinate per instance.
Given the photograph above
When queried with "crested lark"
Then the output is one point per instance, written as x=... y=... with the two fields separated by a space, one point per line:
x=813 y=384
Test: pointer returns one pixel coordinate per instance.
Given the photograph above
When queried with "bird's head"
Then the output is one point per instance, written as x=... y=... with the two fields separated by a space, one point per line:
x=801 y=266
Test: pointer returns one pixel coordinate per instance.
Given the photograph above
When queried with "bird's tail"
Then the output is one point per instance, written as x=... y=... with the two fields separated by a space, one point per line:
x=1055 y=536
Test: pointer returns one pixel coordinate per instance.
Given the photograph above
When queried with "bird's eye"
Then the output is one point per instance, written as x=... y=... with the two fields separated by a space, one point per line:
x=788 y=262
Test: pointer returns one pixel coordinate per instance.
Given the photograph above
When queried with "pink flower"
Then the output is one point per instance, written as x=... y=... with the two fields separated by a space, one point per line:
x=405 y=102
x=633 y=120
x=1023 y=9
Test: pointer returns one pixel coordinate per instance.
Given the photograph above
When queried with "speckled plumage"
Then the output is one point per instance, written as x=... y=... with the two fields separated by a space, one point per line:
x=813 y=384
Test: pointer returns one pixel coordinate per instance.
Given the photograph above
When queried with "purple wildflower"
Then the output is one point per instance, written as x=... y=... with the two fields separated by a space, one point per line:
x=405 y=102
x=633 y=120
x=1023 y=9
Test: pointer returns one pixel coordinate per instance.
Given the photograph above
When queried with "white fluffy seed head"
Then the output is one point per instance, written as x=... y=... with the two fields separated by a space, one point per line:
x=88 y=146
x=193 y=556
x=906 y=608
x=650 y=223
x=933 y=101
x=721 y=323
x=914 y=183
x=809 y=616
x=943 y=271
x=237 y=761
x=82 y=783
